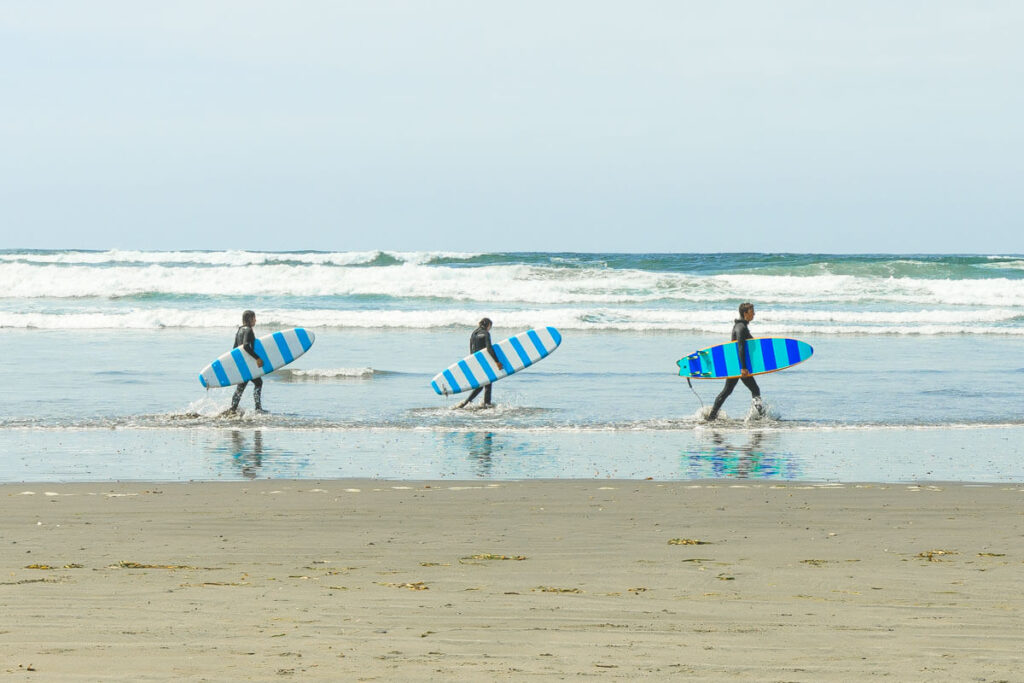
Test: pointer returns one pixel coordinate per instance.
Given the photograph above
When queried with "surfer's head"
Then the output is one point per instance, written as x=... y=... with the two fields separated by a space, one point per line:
x=747 y=311
x=249 y=318
x=486 y=323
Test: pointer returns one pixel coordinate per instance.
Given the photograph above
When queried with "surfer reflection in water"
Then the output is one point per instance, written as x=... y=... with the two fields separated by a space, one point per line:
x=759 y=458
x=250 y=461
x=740 y=335
x=478 y=341
x=480 y=447
x=245 y=337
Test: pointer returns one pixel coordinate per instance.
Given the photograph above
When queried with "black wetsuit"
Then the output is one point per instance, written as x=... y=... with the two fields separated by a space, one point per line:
x=740 y=335
x=245 y=337
x=478 y=341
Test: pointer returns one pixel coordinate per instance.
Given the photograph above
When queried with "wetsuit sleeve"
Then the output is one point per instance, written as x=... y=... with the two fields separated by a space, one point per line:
x=741 y=344
x=250 y=337
x=490 y=349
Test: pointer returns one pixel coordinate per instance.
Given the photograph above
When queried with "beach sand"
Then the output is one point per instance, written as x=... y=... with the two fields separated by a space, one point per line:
x=378 y=580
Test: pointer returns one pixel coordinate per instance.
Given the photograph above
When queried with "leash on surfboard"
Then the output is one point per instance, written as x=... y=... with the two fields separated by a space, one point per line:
x=690 y=384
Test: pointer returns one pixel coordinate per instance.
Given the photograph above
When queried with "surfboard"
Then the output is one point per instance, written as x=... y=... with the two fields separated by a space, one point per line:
x=768 y=354
x=276 y=350
x=479 y=369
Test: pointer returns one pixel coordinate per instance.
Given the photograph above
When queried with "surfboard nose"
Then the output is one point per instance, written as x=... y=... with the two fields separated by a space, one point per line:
x=305 y=337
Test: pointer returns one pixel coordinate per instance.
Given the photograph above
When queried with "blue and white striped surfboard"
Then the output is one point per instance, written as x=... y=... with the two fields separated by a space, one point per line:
x=276 y=350
x=479 y=369
x=767 y=354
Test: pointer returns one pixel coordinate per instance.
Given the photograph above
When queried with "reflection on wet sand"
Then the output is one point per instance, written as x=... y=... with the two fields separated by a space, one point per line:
x=722 y=457
x=495 y=455
x=255 y=455
x=248 y=460
x=480 y=451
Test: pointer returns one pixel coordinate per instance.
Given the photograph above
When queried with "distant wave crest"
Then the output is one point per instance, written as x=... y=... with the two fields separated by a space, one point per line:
x=525 y=284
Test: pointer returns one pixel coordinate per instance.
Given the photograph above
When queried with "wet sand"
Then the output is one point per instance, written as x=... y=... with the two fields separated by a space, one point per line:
x=373 y=580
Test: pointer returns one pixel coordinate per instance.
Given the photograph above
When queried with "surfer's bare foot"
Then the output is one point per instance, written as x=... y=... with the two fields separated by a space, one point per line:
x=487 y=405
x=461 y=405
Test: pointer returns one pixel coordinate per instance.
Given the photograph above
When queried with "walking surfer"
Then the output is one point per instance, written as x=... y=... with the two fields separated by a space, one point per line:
x=740 y=335
x=245 y=337
x=479 y=340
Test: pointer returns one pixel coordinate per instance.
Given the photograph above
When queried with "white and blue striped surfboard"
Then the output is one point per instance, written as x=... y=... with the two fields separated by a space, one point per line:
x=276 y=350
x=479 y=369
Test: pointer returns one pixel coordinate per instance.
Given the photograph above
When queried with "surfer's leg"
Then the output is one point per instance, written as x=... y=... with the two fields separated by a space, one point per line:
x=237 y=397
x=257 y=393
x=730 y=384
x=487 y=395
x=755 y=394
x=476 y=392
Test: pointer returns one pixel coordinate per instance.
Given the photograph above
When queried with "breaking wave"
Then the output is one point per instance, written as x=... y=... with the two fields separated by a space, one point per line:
x=795 y=293
x=1003 y=321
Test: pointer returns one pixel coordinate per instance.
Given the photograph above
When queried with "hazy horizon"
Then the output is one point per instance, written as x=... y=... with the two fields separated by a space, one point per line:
x=596 y=127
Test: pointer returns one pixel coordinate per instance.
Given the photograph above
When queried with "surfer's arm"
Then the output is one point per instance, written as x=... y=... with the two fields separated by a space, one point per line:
x=741 y=345
x=248 y=348
x=490 y=350
x=740 y=335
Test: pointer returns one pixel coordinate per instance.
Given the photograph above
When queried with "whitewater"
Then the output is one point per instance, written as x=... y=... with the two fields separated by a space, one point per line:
x=797 y=294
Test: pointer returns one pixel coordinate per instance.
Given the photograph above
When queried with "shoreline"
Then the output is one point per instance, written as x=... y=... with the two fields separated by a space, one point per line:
x=255 y=452
x=364 y=579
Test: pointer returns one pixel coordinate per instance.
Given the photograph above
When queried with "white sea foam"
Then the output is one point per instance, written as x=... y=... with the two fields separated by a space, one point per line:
x=150 y=290
x=316 y=374
x=710 y=320
x=1015 y=264
x=226 y=258
x=523 y=284
x=197 y=418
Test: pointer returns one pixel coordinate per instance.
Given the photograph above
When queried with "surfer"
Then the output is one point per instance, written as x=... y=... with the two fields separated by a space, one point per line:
x=245 y=337
x=478 y=341
x=740 y=335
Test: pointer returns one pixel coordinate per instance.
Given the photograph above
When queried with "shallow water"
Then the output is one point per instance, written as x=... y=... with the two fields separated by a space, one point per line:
x=247 y=451
x=106 y=387
x=116 y=405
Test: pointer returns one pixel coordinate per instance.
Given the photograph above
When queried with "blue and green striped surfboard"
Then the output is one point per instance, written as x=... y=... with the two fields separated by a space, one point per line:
x=768 y=354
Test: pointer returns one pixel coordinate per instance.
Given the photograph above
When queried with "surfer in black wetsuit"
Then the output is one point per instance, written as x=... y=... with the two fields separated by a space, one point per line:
x=478 y=341
x=740 y=335
x=245 y=337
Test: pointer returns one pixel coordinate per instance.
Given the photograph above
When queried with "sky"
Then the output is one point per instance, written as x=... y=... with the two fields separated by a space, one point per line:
x=574 y=125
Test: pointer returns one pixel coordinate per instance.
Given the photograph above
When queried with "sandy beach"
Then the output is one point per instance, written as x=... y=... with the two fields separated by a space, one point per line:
x=377 y=580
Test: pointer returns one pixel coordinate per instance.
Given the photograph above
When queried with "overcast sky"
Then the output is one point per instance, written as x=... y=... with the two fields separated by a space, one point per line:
x=530 y=126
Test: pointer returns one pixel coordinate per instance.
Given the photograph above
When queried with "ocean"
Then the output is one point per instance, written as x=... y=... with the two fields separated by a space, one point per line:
x=916 y=375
